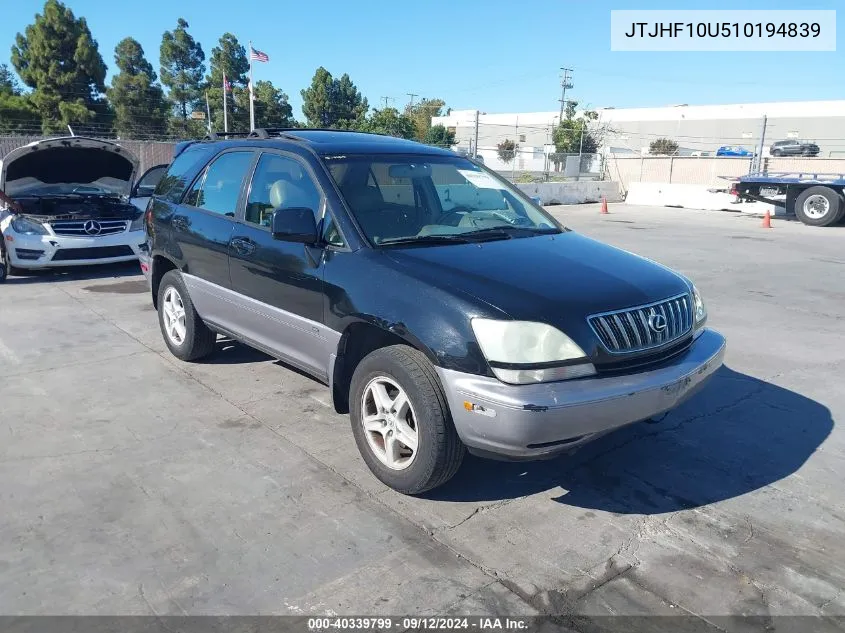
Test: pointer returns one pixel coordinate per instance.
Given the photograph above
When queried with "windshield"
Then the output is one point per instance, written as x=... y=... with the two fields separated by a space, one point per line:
x=433 y=199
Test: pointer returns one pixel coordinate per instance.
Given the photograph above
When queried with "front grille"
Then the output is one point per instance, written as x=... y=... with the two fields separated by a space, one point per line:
x=104 y=252
x=28 y=253
x=637 y=329
x=88 y=228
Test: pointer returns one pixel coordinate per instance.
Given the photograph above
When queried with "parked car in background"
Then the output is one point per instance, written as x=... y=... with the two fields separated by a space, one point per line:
x=794 y=147
x=444 y=309
x=734 y=150
x=76 y=209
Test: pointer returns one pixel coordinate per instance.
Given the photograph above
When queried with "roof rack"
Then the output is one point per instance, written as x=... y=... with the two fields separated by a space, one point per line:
x=269 y=132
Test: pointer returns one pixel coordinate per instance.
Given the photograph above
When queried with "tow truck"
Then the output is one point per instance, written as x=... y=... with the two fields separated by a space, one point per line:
x=815 y=199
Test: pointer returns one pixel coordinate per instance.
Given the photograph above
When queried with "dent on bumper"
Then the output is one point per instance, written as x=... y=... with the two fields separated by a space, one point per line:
x=533 y=421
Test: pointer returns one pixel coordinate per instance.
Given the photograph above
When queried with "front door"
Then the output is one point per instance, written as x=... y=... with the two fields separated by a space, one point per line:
x=202 y=228
x=281 y=283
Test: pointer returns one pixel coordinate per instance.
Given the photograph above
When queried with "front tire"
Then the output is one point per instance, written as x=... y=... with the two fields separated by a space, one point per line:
x=401 y=421
x=10 y=270
x=184 y=332
x=819 y=206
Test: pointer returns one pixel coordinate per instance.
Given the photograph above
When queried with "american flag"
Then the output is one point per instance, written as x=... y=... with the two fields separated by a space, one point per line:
x=227 y=86
x=258 y=55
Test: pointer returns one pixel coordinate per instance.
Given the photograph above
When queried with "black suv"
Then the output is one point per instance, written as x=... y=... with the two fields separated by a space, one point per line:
x=793 y=147
x=444 y=309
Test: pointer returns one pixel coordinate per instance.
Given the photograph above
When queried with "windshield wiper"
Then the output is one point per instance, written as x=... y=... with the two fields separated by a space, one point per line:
x=427 y=239
x=508 y=231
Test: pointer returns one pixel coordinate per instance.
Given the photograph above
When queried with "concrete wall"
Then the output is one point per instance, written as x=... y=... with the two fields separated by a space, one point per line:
x=573 y=192
x=691 y=170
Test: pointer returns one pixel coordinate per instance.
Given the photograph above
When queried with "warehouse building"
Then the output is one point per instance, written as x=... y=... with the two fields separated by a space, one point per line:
x=698 y=130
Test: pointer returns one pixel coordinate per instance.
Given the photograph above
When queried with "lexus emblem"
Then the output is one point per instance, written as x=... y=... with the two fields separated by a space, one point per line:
x=657 y=322
x=91 y=227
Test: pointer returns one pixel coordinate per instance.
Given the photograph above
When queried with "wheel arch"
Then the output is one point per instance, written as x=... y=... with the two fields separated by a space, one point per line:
x=160 y=264
x=360 y=338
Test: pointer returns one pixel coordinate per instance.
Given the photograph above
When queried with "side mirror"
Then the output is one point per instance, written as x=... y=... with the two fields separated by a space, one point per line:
x=296 y=224
x=537 y=200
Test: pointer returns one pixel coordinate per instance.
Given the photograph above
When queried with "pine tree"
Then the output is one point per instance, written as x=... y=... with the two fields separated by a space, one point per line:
x=140 y=109
x=182 y=66
x=58 y=58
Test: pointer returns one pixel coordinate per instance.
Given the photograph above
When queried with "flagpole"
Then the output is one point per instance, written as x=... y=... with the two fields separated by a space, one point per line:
x=251 y=96
x=208 y=111
x=225 y=108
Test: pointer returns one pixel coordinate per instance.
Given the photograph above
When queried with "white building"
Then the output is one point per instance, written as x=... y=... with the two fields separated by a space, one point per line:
x=696 y=129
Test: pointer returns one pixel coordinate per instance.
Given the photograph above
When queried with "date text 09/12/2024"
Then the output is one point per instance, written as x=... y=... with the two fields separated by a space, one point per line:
x=417 y=623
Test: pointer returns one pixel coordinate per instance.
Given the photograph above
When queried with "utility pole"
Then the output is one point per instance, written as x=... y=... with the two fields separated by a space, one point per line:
x=565 y=82
x=475 y=146
x=385 y=99
x=581 y=148
x=412 y=95
x=757 y=162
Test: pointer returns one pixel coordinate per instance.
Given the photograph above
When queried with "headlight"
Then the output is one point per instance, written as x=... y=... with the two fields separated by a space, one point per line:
x=137 y=224
x=524 y=352
x=25 y=226
x=698 y=306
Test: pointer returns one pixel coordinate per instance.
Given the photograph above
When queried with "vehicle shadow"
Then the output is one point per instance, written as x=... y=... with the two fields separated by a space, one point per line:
x=76 y=273
x=737 y=435
x=231 y=352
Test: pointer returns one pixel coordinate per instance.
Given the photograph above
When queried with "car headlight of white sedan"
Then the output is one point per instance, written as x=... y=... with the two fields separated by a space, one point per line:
x=524 y=352
x=25 y=226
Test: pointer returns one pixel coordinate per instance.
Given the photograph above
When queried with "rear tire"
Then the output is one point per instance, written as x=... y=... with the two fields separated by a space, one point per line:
x=819 y=206
x=438 y=453
x=186 y=335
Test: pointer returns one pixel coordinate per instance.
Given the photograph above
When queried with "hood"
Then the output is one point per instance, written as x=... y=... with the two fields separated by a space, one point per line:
x=557 y=279
x=69 y=160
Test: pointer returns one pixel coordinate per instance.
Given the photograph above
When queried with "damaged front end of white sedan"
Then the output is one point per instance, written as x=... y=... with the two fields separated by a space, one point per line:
x=74 y=194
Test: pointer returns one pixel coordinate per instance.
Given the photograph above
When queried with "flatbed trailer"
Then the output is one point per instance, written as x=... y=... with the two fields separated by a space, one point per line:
x=816 y=199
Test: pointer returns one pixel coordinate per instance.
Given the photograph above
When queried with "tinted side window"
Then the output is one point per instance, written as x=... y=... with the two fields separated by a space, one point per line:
x=174 y=183
x=219 y=187
x=279 y=183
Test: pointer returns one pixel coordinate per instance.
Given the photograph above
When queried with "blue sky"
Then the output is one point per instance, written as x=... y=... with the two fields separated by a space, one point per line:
x=494 y=55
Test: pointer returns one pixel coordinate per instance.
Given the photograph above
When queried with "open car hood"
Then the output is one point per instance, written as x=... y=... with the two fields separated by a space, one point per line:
x=72 y=159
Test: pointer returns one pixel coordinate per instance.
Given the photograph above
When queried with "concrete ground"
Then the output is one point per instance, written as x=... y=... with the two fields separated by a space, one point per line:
x=133 y=483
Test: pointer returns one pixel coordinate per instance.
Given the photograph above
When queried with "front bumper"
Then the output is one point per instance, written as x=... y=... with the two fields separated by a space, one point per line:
x=542 y=420
x=49 y=251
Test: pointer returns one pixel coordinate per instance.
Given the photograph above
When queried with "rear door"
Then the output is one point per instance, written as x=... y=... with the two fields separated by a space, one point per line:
x=202 y=228
x=280 y=284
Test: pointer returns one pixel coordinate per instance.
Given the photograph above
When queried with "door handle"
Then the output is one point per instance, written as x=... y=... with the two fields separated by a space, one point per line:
x=243 y=246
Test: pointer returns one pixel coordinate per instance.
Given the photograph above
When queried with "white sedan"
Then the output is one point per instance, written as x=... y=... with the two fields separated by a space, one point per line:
x=77 y=208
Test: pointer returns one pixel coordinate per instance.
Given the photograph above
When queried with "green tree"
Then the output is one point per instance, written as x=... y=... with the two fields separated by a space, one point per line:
x=229 y=57
x=333 y=103
x=506 y=150
x=574 y=135
x=439 y=136
x=271 y=106
x=17 y=114
x=182 y=66
x=58 y=58
x=422 y=112
x=140 y=109
x=664 y=146
x=390 y=122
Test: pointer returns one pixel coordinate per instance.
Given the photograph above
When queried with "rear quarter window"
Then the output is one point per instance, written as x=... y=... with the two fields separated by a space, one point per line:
x=182 y=171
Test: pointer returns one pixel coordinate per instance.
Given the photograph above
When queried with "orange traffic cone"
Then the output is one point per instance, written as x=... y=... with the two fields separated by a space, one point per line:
x=604 y=205
x=767 y=220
